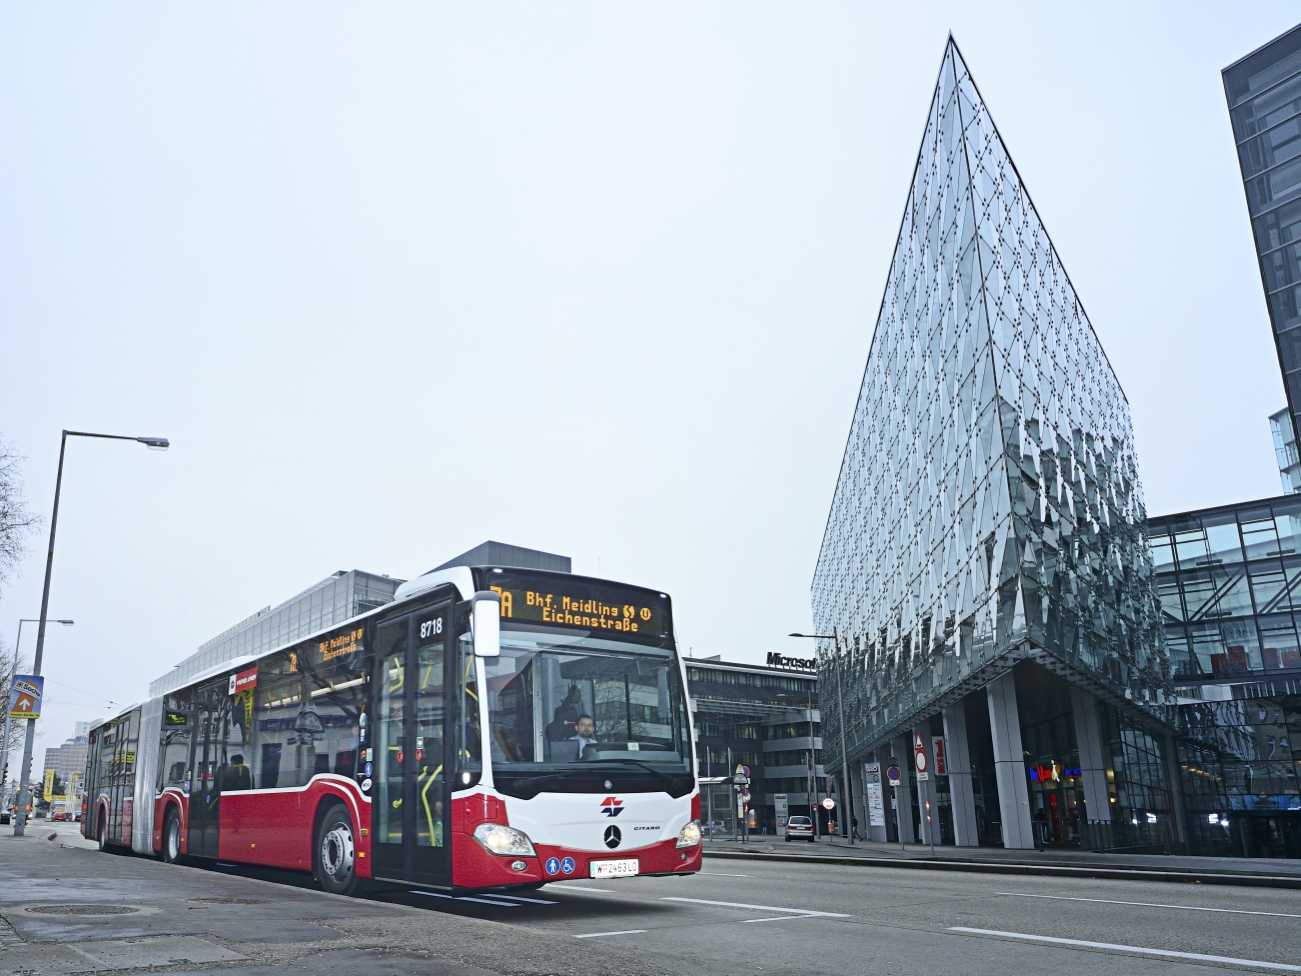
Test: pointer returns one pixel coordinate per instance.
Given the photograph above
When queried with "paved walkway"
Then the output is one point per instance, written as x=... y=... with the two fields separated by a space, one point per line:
x=978 y=858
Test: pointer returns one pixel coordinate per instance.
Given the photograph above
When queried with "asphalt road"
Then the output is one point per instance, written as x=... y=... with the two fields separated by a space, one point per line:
x=735 y=918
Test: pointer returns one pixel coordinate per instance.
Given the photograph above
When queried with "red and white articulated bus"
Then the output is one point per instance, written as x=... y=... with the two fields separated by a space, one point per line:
x=491 y=728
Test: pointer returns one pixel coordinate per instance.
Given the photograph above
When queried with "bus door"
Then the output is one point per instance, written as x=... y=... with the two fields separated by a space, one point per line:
x=205 y=795
x=410 y=835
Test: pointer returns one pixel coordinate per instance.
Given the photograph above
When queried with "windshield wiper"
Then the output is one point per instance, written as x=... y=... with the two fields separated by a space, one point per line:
x=587 y=767
x=533 y=781
x=659 y=773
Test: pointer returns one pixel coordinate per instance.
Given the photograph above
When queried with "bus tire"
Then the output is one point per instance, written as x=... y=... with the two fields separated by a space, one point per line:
x=335 y=852
x=101 y=833
x=172 y=836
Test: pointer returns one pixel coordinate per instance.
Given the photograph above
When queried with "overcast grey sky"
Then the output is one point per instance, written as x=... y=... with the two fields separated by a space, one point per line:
x=592 y=278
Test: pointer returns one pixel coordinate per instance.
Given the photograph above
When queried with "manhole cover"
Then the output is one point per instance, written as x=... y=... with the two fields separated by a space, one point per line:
x=231 y=901
x=82 y=910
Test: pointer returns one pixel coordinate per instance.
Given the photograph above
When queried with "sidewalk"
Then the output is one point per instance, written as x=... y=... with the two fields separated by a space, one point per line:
x=1266 y=872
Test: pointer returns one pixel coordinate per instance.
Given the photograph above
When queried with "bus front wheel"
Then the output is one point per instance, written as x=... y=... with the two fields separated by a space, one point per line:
x=336 y=852
x=172 y=836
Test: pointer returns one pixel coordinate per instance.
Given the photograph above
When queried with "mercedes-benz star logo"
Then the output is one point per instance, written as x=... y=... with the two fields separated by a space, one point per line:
x=612 y=836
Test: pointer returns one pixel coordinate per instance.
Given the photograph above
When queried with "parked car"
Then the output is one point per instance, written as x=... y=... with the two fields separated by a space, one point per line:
x=6 y=815
x=799 y=827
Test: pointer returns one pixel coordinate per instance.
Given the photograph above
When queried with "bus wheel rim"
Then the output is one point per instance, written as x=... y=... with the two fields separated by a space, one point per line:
x=337 y=852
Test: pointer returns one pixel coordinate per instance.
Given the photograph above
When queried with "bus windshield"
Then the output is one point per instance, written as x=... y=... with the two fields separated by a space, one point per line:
x=556 y=699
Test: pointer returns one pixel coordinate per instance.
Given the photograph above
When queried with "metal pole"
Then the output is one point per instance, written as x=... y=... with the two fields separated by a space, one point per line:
x=709 y=797
x=846 y=811
x=736 y=830
x=932 y=817
x=898 y=819
x=20 y=819
x=745 y=816
x=813 y=774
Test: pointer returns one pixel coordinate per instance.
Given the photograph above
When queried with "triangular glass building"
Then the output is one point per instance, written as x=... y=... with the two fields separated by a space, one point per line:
x=988 y=510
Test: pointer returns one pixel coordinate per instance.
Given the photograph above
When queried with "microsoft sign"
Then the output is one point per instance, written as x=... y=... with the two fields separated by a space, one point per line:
x=776 y=660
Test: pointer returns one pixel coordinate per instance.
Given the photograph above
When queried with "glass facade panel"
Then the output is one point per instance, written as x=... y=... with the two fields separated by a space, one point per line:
x=1239 y=763
x=1239 y=742
x=988 y=502
x=1264 y=96
x=1237 y=617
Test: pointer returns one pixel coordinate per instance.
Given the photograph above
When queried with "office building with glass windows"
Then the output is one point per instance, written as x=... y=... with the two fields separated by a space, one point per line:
x=1285 y=450
x=1229 y=577
x=1229 y=580
x=1264 y=94
x=983 y=565
x=322 y=605
x=764 y=718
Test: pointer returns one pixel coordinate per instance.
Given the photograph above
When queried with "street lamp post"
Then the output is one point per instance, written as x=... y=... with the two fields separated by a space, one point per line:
x=4 y=750
x=845 y=802
x=153 y=443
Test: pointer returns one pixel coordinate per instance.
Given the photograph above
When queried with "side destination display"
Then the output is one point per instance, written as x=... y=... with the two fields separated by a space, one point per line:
x=624 y=612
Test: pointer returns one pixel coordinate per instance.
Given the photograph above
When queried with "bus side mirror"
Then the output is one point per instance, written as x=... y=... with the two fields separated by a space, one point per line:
x=485 y=622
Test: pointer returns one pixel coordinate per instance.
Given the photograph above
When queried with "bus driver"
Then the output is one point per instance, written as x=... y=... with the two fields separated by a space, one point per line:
x=586 y=736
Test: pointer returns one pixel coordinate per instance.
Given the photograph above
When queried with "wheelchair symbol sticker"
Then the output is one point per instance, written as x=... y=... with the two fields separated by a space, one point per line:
x=567 y=865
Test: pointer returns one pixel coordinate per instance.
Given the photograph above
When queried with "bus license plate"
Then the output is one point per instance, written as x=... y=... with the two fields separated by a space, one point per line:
x=615 y=869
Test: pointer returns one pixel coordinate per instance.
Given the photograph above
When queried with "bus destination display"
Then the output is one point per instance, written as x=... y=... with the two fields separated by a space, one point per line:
x=600 y=608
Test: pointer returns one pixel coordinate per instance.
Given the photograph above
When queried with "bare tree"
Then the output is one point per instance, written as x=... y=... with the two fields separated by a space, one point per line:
x=10 y=664
x=16 y=522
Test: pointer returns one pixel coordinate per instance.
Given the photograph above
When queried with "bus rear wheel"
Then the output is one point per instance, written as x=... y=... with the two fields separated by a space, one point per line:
x=101 y=834
x=336 y=852
x=172 y=836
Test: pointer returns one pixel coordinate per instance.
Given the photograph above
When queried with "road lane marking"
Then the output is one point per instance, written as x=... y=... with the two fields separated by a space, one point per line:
x=531 y=901
x=720 y=874
x=599 y=891
x=775 y=918
x=599 y=935
x=481 y=901
x=1150 y=904
x=760 y=908
x=1141 y=950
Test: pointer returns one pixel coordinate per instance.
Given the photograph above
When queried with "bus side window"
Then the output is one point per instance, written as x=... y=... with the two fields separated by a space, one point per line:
x=275 y=752
x=338 y=695
x=467 y=743
x=175 y=745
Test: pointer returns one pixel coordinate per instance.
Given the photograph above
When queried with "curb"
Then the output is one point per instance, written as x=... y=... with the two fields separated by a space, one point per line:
x=1043 y=870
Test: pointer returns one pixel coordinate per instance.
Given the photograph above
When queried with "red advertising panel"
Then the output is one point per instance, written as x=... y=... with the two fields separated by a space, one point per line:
x=243 y=681
x=940 y=756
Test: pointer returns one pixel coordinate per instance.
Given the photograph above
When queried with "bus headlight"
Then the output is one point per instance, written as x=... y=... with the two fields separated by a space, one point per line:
x=689 y=836
x=503 y=840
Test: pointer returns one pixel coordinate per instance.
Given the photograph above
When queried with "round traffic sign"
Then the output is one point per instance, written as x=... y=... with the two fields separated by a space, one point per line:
x=829 y=803
x=893 y=775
